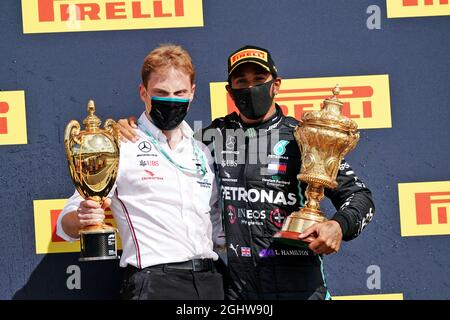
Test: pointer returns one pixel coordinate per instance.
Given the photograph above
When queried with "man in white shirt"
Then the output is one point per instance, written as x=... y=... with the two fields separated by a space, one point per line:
x=165 y=197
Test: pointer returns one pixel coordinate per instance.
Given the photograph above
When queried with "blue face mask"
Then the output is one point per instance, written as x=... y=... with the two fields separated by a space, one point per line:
x=168 y=113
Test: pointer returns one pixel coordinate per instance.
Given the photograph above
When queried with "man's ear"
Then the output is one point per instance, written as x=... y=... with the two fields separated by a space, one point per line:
x=143 y=93
x=145 y=98
x=193 y=91
x=276 y=86
x=228 y=88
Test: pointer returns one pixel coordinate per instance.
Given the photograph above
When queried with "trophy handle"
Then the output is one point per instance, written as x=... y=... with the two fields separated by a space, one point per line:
x=354 y=138
x=112 y=128
x=71 y=136
x=71 y=133
x=297 y=139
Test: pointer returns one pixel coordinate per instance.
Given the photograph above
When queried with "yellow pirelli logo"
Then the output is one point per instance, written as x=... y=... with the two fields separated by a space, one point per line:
x=13 y=123
x=417 y=8
x=43 y=16
x=390 y=296
x=424 y=208
x=249 y=53
x=46 y=213
x=366 y=98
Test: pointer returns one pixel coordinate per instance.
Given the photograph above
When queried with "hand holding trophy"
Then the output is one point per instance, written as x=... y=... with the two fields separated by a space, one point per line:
x=93 y=158
x=324 y=138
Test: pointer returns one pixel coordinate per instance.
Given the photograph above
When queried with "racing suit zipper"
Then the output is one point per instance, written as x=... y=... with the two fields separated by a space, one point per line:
x=249 y=132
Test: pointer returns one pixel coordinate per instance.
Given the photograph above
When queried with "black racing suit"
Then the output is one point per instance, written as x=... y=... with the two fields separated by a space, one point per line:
x=256 y=196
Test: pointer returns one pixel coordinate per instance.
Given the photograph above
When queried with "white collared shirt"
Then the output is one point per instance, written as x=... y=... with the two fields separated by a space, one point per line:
x=163 y=214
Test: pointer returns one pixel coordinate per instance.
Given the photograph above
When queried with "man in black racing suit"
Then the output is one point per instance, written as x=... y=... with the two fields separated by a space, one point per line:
x=257 y=162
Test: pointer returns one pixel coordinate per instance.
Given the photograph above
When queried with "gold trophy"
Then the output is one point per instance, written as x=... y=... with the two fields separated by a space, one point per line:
x=324 y=138
x=93 y=158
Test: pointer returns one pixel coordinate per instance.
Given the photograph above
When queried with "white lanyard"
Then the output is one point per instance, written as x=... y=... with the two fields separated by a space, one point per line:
x=201 y=168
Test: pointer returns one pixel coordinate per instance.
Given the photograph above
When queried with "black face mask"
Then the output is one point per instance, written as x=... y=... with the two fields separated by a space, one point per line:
x=168 y=113
x=253 y=102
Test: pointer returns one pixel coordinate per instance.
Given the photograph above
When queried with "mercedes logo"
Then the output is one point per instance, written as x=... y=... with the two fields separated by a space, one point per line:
x=231 y=140
x=145 y=146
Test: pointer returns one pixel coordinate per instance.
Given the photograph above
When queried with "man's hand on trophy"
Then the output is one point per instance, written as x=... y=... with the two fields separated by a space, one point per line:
x=127 y=129
x=328 y=237
x=91 y=213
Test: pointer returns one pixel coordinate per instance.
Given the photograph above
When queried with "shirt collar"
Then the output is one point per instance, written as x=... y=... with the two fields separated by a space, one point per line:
x=186 y=130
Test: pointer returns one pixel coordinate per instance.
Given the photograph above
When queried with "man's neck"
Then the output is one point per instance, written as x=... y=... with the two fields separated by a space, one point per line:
x=173 y=137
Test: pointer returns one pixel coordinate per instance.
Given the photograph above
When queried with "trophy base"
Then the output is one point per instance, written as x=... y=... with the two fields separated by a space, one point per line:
x=98 y=244
x=291 y=239
x=297 y=223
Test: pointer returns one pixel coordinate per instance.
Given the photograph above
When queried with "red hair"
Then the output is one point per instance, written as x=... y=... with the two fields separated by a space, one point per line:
x=164 y=57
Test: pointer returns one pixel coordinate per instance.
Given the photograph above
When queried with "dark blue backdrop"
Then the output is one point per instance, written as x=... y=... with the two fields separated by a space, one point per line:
x=61 y=71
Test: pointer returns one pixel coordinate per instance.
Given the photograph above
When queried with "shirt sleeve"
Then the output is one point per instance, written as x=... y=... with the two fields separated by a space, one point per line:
x=353 y=201
x=218 y=235
x=72 y=205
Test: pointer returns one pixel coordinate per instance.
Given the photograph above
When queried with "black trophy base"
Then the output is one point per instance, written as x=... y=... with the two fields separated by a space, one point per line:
x=98 y=245
x=291 y=239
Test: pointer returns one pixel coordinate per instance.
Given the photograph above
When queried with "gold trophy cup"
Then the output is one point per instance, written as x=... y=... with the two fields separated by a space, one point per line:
x=324 y=138
x=93 y=158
